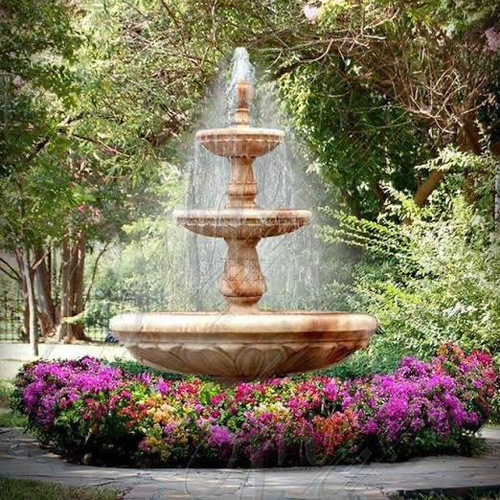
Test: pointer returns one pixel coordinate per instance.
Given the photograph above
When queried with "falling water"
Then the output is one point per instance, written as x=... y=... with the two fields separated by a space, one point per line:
x=292 y=264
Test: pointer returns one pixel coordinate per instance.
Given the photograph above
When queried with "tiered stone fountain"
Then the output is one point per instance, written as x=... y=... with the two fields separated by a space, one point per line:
x=242 y=342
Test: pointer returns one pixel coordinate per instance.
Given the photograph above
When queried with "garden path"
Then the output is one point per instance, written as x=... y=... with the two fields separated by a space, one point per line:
x=20 y=457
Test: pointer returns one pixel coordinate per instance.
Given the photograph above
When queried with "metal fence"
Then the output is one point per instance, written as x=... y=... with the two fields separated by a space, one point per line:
x=96 y=318
x=11 y=318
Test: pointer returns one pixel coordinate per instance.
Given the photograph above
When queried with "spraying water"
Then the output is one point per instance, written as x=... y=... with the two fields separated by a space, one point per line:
x=292 y=282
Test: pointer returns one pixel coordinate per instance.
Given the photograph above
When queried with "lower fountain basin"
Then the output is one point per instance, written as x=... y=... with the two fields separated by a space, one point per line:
x=246 y=346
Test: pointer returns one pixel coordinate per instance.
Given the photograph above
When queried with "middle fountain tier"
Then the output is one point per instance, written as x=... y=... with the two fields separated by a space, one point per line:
x=242 y=342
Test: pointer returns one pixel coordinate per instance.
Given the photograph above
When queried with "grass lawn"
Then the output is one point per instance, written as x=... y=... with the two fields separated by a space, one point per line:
x=7 y=418
x=6 y=387
x=21 y=489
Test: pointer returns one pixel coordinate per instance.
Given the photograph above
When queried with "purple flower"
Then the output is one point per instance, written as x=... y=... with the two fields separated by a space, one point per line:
x=331 y=390
x=220 y=437
x=163 y=386
x=144 y=378
x=370 y=427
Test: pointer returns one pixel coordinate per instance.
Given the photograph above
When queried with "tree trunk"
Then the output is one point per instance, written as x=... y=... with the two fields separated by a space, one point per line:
x=427 y=187
x=46 y=308
x=30 y=290
x=77 y=287
x=468 y=141
x=496 y=204
x=24 y=293
x=495 y=151
x=63 y=327
x=72 y=289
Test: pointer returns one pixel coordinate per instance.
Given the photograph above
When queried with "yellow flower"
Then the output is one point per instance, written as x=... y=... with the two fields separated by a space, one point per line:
x=151 y=441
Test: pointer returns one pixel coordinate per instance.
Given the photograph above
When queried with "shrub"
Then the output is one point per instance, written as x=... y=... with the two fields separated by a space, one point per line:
x=437 y=282
x=87 y=410
x=431 y=280
x=133 y=367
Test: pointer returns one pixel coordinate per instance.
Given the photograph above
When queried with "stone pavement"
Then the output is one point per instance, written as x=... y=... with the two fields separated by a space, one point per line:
x=20 y=457
x=14 y=355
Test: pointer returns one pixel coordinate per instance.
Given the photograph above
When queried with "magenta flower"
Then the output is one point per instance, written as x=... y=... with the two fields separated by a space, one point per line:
x=220 y=437
x=317 y=420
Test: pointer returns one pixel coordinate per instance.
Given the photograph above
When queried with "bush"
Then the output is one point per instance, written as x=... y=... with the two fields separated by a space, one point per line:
x=437 y=280
x=89 y=411
x=133 y=367
x=432 y=279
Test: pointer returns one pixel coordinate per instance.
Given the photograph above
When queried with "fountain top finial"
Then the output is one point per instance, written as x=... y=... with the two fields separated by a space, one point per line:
x=239 y=139
x=241 y=88
x=244 y=95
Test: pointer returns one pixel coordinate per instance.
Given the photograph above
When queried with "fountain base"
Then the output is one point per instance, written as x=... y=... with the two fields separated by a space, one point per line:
x=245 y=346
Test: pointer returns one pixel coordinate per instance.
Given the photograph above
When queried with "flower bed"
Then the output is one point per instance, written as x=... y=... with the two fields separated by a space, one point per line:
x=92 y=412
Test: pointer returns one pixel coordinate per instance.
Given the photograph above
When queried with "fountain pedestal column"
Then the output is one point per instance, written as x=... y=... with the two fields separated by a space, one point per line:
x=242 y=282
x=242 y=188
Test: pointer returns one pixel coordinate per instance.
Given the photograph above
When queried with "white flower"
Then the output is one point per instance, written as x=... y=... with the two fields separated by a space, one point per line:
x=311 y=12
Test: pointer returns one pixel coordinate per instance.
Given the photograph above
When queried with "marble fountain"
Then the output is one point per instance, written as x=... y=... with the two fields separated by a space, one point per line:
x=242 y=342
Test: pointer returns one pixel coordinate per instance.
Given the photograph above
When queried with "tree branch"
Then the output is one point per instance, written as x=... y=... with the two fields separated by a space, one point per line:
x=12 y=273
x=40 y=145
x=100 y=143
x=94 y=271
x=427 y=187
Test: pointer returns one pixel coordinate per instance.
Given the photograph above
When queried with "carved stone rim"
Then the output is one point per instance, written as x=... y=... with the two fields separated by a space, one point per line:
x=242 y=216
x=240 y=133
x=255 y=326
x=165 y=343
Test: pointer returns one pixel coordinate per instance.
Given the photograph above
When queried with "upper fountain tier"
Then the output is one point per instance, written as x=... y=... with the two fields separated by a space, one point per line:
x=240 y=140
x=242 y=224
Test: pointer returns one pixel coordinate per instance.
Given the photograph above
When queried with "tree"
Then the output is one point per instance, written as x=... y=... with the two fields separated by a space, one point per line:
x=395 y=69
x=431 y=60
x=74 y=170
x=28 y=124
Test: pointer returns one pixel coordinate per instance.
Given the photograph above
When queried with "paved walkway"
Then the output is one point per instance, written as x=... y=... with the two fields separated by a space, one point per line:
x=14 y=355
x=21 y=457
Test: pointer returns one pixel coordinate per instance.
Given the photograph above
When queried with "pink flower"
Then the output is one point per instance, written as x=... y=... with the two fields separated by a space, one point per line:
x=493 y=39
x=217 y=399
